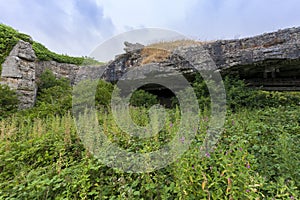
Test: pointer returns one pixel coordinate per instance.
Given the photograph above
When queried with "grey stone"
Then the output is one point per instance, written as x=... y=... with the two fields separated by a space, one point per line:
x=130 y=47
x=271 y=58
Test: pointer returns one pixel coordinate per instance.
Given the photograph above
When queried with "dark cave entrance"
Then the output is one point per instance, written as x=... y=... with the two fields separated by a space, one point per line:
x=164 y=95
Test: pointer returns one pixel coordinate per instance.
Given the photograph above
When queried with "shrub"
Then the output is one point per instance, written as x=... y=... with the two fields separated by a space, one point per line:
x=48 y=80
x=240 y=96
x=143 y=98
x=45 y=159
x=44 y=54
x=104 y=93
x=54 y=95
x=8 y=101
x=9 y=37
x=91 y=61
x=237 y=94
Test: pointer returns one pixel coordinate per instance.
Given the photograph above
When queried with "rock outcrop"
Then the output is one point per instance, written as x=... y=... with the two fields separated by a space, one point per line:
x=269 y=61
x=129 y=47
x=21 y=70
x=18 y=71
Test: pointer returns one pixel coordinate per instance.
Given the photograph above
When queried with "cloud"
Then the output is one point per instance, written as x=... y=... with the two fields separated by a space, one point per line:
x=72 y=27
x=129 y=14
x=76 y=27
x=115 y=45
x=226 y=19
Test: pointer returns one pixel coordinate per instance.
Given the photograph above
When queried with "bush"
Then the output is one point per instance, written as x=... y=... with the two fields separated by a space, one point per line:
x=54 y=95
x=257 y=157
x=45 y=55
x=237 y=94
x=9 y=37
x=104 y=93
x=8 y=101
x=48 y=80
x=240 y=96
x=91 y=61
x=143 y=98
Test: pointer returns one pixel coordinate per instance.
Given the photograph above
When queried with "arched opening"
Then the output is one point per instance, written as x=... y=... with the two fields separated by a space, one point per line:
x=164 y=95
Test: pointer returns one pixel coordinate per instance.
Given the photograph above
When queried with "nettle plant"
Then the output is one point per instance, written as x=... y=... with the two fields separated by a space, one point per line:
x=8 y=101
x=45 y=159
x=42 y=156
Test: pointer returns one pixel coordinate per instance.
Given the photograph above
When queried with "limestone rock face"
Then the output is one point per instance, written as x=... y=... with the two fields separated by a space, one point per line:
x=22 y=69
x=129 y=47
x=268 y=61
x=24 y=51
x=271 y=60
x=60 y=70
x=18 y=71
x=283 y=44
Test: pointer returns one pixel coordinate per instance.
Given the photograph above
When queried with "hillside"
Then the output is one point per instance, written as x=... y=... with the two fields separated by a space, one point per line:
x=50 y=150
x=9 y=37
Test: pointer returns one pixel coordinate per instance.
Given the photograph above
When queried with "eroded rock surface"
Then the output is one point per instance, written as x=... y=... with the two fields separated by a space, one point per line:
x=270 y=61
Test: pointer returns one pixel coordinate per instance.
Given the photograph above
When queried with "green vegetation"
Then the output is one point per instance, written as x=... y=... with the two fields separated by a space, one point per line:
x=8 y=101
x=9 y=37
x=142 y=98
x=257 y=155
x=238 y=95
x=43 y=157
x=44 y=54
x=104 y=93
x=91 y=61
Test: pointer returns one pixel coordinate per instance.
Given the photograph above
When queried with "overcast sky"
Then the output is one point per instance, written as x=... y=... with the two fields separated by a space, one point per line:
x=77 y=27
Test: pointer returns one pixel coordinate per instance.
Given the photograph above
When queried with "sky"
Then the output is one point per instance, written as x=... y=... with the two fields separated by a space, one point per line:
x=78 y=27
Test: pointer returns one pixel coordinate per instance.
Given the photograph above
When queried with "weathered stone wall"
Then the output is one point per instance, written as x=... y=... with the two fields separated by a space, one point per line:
x=60 y=70
x=283 y=44
x=272 y=58
x=21 y=71
x=18 y=71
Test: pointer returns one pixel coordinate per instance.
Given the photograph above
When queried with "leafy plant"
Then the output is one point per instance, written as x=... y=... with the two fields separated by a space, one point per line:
x=143 y=98
x=104 y=93
x=44 y=54
x=45 y=159
x=8 y=101
x=9 y=37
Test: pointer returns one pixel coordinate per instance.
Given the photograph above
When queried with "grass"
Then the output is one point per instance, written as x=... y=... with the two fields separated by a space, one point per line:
x=161 y=51
x=154 y=55
x=256 y=158
x=171 y=45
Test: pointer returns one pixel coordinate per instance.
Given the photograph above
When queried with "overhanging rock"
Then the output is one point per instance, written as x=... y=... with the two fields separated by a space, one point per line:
x=270 y=61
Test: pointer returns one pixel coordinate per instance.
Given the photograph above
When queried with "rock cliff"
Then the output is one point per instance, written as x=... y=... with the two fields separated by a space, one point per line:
x=270 y=61
x=21 y=71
